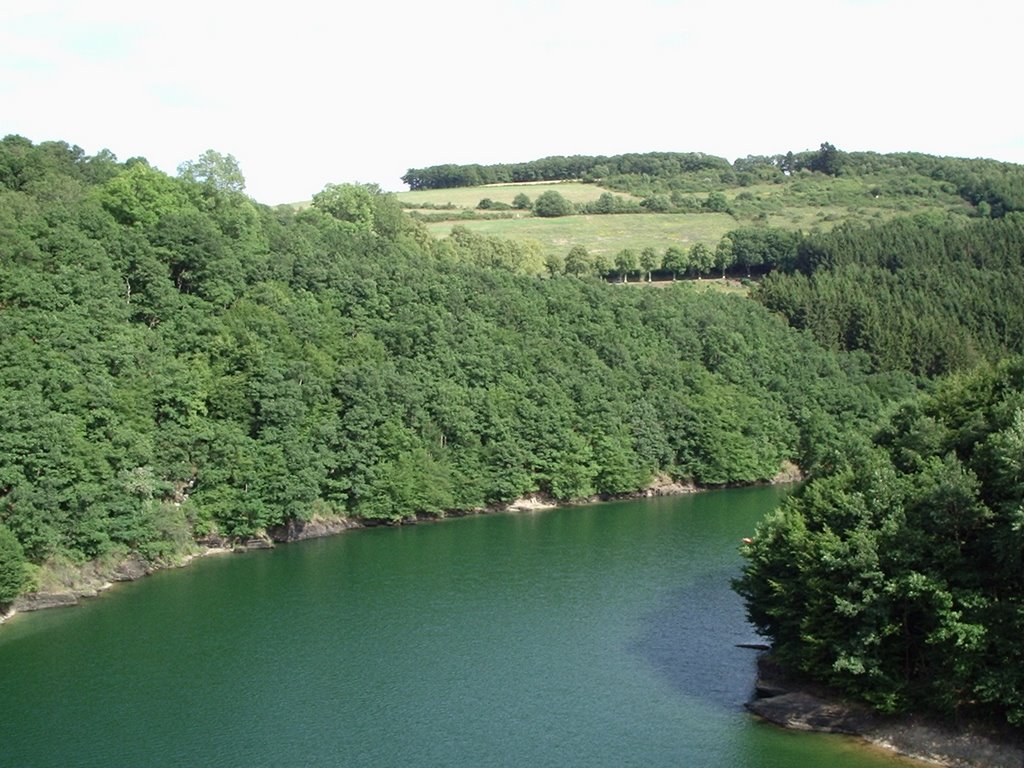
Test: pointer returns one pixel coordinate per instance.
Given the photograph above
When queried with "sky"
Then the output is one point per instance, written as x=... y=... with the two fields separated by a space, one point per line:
x=309 y=93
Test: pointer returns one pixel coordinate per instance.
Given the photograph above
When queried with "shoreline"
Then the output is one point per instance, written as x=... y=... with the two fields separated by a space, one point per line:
x=93 y=579
x=800 y=705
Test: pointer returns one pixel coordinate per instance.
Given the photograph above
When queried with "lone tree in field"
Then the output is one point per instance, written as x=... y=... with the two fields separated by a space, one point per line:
x=550 y=204
x=521 y=202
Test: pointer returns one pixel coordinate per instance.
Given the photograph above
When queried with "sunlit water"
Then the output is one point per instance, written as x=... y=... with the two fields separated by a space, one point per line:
x=594 y=636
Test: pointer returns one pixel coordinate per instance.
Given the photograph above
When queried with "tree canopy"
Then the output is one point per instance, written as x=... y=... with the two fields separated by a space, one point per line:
x=898 y=576
x=208 y=365
x=212 y=167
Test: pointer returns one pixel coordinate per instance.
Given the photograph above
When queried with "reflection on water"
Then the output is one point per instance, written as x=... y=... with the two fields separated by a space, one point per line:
x=691 y=641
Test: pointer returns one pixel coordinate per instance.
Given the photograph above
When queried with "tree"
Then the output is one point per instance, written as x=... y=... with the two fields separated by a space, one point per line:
x=724 y=255
x=626 y=262
x=649 y=261
x=676 y=261
x=142 y=195
x=211 y=167
x=521 y=202
x=827 y=160
x=13 y=576
x=716 y=202
x=657 y=204
x=352 y=203
x=578 y=261
x=602 y=264
x=554 y=263
x=550 y=204
x=749 y=246
x=702 y=259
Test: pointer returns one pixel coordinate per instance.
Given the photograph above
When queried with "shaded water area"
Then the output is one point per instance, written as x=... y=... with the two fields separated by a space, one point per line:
x=601 y=636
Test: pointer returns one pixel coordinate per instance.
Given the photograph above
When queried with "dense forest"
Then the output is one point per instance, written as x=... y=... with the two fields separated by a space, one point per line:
x=926 y=294
x=180 y=361
x=559 y=168
x=898 y=576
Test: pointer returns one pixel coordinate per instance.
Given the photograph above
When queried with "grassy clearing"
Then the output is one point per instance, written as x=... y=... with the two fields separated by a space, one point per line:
x=604 y=234
x=730 y=286
x=806 y=202
x=469 y=197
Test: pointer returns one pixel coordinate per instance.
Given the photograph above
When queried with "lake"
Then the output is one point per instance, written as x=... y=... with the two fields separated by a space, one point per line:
x=601 y=635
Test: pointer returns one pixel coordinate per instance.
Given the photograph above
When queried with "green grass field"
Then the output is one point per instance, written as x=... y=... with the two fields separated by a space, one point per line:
x=711 y=283
x=806 y=203
x=470 y=197
x=603 y=234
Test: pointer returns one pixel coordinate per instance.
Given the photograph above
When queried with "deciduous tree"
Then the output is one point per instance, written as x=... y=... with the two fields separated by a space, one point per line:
x=218 y=170
x=551 y=204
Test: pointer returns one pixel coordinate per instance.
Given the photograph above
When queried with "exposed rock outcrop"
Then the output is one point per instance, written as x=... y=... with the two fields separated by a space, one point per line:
x=37 y=601
x=318 y=527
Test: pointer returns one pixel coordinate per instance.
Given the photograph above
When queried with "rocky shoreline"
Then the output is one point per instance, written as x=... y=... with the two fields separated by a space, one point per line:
x=801 y=705
x=92 y=579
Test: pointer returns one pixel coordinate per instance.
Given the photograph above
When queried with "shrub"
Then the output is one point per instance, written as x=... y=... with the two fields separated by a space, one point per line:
x=550 y=204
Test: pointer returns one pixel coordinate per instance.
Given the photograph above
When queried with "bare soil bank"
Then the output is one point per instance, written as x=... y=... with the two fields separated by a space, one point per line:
x=800 y=705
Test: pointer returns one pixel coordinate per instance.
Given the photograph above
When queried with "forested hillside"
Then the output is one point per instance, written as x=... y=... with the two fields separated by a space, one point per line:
x=899 y=577
x=926 y=294
x=179 y=360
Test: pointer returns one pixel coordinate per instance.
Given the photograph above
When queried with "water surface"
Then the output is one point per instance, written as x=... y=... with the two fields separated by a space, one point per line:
x=598 y=636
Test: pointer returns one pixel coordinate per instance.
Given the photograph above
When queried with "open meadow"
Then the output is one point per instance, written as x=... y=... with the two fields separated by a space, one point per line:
x=467 y=198
x=603 y=234
x=812 y=203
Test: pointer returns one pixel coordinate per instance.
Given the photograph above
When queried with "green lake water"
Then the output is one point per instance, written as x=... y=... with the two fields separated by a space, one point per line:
x=601 y=635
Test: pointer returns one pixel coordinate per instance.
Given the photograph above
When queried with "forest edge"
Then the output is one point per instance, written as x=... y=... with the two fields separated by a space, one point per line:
x=94 y=578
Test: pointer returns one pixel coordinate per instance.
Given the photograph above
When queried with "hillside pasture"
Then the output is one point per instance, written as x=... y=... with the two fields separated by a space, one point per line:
x=464 y=198
x=603 y=234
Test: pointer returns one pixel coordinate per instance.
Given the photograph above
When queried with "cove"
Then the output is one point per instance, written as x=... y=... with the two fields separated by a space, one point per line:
x=601 y=635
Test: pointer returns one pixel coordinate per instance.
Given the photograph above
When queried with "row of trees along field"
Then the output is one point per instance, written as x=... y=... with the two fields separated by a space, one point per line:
x=744 y=251
x=898 y=576
x=177 y=360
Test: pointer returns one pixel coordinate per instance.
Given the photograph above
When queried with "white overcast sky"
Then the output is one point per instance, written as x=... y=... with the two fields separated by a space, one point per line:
x=306 y=93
